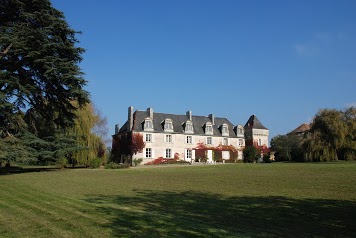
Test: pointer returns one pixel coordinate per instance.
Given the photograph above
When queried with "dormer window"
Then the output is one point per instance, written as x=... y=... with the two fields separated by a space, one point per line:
x=188 y=127
x=168 y=125
x=148 y=126
x=239 y=131
x=208 y=128
x=225 y=130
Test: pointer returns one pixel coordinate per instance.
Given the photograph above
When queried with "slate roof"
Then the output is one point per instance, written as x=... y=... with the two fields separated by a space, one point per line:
x=178 y=123
x=254 y=123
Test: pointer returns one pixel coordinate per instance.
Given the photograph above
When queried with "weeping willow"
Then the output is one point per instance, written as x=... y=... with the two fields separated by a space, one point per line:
x=93 y=146
x=332 y=136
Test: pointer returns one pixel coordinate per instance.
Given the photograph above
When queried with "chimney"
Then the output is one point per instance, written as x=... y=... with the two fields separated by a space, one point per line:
x=130 y=118
x=117 y=129
x=212 y=118
x=189 y=115
x=150 y=112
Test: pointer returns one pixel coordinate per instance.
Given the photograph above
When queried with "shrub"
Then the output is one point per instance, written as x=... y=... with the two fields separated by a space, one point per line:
x=250 y=154
x=62 y=162
x=266 y=159
x=113 y=165
x=137 y=161
x=95 y=163
x=161 y=160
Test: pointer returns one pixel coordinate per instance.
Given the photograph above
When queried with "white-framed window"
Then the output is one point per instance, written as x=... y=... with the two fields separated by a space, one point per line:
x=208 y=128
x=189 y=154
x=240 y=131
x=241 y=142
x=259 y=142
x=188 y=127
x=225 y=141
x=209 y=140
x=168 y=125
x=168 y=138
x=148 y=153
x=148 y=126
x=168 y=153
x=189 y=140
x=225 y=130
x=148 y=138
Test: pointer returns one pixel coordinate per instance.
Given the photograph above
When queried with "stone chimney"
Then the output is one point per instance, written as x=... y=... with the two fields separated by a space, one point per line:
x=212 y=118
x=189 y=115
x=150 y=112
x=130 y=118
x=117 y=129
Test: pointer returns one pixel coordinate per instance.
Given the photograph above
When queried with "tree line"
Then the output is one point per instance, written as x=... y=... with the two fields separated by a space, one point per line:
x=332 y=136
x=45 y=113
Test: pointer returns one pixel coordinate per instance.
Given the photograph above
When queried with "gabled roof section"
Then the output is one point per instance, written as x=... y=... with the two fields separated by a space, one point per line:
x=254 y=123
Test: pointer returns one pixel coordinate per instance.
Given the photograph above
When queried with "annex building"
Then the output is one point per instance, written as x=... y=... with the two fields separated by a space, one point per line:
x=169 y=135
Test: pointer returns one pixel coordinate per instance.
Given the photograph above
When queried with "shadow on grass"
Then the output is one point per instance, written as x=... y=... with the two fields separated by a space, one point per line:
x=192 y=214
x=19 y=170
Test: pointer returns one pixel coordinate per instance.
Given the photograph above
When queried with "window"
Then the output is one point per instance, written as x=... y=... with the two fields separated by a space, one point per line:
x=241 y=142
x=189 y=140
x=168 y=125
x=225 y=130
x=240 y=131
x=259 y=142
x=209 y=140
x=225 y=141
x=208 y=128
x=189 y=154
x=168 y=153
x=168 y=138
x=148 y=153
x=148 y=125
x=148 y=137
x=188 y=127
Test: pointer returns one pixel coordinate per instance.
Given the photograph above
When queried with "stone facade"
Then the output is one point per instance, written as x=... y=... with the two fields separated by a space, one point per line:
x=170 y=135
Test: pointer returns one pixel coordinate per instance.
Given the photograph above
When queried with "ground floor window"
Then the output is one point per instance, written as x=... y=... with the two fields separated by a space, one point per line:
x=189 y=154
x=148 y=152
x=168 y=153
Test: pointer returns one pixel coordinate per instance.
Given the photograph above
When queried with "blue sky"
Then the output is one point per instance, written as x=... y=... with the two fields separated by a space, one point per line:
x=280 y=60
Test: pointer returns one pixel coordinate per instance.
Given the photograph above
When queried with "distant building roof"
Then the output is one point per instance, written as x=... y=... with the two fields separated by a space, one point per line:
x=301 y=129
x=254 y=123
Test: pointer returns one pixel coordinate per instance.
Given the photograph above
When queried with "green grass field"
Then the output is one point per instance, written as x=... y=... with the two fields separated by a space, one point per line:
x=230 y=200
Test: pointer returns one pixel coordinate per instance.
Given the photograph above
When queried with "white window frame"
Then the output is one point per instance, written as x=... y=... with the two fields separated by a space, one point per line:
x=168 y=140
x=148 y=153
x=188 y=127
x=225 y=130
x=148 y=138
x=168 y=125
x=189 y=154
x=189 y=140
x=225 y=141
x=209 y=139
x=148 y=126
x=168 y=153
x=209 y=129
x=241 y=142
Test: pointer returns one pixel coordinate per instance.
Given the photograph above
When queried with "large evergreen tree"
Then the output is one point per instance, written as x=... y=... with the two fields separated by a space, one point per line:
x=38 y=64
x=39 y=79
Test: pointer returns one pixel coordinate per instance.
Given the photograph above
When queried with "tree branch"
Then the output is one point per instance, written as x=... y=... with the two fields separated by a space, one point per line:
x=5 y=51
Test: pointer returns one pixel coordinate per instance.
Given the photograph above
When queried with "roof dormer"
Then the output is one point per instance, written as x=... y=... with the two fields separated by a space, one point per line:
x=188 y=127
x=208 y=128
x=168 y=125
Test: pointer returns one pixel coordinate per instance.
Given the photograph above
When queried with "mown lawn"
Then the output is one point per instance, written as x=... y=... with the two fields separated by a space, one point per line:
x=230 y=200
